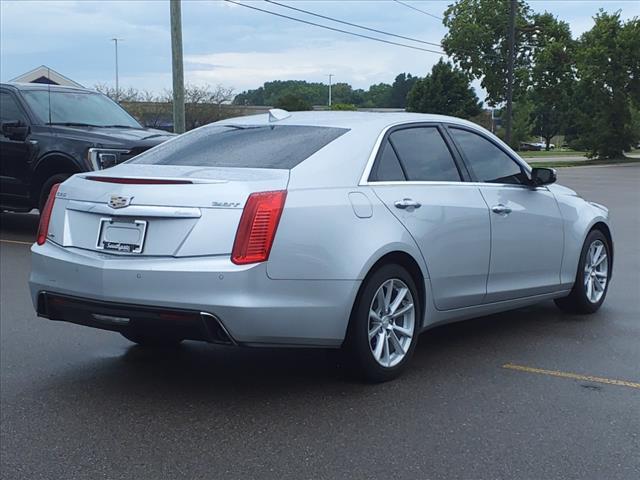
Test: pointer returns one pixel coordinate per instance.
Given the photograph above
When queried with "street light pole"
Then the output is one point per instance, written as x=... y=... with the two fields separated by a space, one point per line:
x=177 y=66
x=115 y=42
x=330 y=75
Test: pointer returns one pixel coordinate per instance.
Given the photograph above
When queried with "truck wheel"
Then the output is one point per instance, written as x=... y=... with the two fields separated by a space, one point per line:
x=46 y=188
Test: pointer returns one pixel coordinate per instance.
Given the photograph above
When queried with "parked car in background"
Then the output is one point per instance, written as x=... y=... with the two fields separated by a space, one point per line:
x=325 y=229
x=535 y=146
x=48 y=133
x=529 y=147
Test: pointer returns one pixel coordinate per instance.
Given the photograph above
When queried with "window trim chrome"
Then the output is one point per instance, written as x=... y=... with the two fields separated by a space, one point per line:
x=437 y=183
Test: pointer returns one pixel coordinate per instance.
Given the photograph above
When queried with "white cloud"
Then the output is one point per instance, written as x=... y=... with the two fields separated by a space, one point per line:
x=357 y=62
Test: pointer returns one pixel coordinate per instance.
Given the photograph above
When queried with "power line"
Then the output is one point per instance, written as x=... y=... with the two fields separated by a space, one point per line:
x=353 y=24
x=336 y=29
x=418 y=10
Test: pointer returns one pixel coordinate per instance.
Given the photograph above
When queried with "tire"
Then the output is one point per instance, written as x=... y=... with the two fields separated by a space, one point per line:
x=46 y=188
x=152 y=340
x=371 y=359
x=584 y=299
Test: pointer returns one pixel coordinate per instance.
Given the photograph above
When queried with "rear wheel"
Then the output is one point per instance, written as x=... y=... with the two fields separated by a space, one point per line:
x=152 y=340
x=384 y=324
x=46 y=188
x=592 y=280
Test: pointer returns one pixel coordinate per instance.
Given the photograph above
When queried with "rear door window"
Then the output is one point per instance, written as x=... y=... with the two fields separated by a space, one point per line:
x=424 y=155
x=387 y=168
x=270 y=146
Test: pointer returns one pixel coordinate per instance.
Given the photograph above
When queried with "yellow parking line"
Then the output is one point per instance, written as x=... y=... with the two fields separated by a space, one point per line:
x=574 y=376
x=15 y=241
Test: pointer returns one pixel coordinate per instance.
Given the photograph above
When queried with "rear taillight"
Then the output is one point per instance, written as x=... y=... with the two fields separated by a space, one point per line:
x=258 y=226
x=45 y=215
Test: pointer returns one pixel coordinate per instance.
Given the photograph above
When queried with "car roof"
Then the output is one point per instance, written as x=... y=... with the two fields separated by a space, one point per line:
x=375 y=121
x=45 y=86
x=342 y=161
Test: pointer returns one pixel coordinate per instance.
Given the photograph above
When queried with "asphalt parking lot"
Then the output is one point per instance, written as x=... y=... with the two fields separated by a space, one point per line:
x=530 y=394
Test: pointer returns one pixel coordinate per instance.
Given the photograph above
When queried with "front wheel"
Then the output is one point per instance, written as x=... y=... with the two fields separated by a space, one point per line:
x=384 y=325
x=592 y=280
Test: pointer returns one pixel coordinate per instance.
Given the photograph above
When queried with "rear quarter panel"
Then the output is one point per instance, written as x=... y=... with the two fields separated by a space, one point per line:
x=320 y=236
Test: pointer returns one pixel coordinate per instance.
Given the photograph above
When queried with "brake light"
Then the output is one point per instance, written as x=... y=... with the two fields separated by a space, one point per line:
x=45 y=215
x=258 y=225
x=139 y=181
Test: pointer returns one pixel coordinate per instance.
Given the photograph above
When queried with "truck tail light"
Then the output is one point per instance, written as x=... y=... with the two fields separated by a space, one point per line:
x=45 y=215
x=257 y=228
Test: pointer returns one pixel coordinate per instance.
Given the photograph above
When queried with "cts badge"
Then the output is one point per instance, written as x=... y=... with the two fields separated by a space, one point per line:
x=117 y=201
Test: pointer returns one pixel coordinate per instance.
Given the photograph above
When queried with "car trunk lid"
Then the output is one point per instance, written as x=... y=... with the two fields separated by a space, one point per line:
x=157 y=210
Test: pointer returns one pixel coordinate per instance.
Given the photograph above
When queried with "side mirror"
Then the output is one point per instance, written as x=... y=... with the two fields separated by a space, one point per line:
x=543 y=176
x=15 y=130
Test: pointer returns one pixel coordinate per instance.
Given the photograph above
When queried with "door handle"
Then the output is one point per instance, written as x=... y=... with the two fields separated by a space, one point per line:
x=407 y=203
x=500 y=209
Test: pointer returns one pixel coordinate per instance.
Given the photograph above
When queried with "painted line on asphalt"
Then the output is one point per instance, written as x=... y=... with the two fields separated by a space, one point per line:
x=573 y=376
x=17 y=242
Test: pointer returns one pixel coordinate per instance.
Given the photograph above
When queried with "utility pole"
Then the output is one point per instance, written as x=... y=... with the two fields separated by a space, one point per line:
x=115 y=41
x=513 y=5
x=177 y=67
x=330 y=75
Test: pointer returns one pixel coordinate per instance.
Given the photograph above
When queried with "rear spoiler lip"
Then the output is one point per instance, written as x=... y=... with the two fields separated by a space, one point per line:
x=138 y=180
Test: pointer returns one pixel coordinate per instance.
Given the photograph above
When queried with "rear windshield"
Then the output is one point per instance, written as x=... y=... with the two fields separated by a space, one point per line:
x=272 y=146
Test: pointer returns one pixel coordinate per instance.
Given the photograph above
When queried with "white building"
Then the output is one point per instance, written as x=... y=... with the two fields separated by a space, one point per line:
x=46 y=75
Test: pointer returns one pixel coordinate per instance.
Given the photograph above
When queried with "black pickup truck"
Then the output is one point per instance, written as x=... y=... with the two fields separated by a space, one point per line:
x=48 y=133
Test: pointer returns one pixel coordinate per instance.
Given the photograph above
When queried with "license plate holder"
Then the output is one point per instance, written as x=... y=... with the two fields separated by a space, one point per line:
x=121 y=235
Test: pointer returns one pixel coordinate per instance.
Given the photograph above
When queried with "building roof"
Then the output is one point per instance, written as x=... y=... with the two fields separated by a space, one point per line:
x=38 y=74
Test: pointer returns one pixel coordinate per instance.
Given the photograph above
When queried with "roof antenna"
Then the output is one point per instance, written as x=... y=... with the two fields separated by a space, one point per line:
x=49 y=92
x=276 y=114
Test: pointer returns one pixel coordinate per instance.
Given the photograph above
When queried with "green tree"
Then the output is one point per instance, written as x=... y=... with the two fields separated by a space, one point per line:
x=400 y=88
x=446 y=91
x=378 y=96
x=522 y=125
x=477 y=41
x=313 y=92
x=340 y=93
x=552 y=77
x=250 y=97
x=608 y=64
x=292 y=103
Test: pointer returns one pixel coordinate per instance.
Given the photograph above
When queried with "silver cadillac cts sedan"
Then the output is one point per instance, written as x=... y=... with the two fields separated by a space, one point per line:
x=324 y=229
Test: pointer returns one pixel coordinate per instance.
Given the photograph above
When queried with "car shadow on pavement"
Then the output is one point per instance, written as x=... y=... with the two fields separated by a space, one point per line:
x=220 y=374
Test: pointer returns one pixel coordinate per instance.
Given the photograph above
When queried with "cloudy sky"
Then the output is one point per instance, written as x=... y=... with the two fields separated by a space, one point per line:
x=231 y=45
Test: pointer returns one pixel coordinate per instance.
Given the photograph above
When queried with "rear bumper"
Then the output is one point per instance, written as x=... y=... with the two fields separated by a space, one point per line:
x=126 y=318
x=251 y=307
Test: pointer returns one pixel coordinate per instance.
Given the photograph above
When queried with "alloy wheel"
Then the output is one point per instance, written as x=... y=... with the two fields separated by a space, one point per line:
x=391 y=322
x=596 y=271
